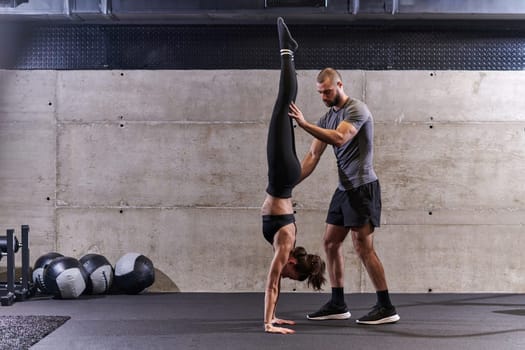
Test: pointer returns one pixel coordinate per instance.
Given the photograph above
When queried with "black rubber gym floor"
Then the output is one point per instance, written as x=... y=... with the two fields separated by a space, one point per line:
x=234 y=321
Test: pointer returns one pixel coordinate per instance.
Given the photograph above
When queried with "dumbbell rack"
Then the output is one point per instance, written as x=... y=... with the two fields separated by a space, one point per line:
x=11 y=290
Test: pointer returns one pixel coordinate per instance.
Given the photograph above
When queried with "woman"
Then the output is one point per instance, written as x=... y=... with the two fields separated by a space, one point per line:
x=284 y=170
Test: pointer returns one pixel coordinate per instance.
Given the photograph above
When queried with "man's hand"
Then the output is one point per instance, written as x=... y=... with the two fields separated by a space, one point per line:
x=296 y=114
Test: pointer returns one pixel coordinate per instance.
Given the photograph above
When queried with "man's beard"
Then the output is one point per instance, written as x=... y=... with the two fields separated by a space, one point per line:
x=335 y=101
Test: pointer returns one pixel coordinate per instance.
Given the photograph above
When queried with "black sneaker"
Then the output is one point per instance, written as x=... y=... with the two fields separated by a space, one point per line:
x=380 y=315
x=330 y=311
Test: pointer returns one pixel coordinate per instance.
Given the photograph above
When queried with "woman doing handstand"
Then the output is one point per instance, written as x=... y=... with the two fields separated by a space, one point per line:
x=284 y=170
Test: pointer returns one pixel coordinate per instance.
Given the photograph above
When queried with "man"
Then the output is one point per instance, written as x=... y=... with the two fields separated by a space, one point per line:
x=355 y=207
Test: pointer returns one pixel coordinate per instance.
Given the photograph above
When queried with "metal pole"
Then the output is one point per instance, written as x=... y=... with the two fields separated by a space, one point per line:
x=10 y=261
x=25 y=258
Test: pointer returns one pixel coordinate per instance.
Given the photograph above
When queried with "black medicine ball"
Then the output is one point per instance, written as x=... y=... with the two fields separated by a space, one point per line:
x=65 y=278
x=38 y=270
x=99 y=271
x=134 y=273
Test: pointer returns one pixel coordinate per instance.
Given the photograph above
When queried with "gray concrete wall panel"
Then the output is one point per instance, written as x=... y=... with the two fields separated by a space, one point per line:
x=238 y=96
x=446 y=96
x=444 y=258
x=452 y=166
x=161 y=164
x=27 y=96
x=28 y=163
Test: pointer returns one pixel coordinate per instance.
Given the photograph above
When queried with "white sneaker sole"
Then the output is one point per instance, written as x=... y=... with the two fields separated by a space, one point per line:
x=343 y=316
x=390 y=319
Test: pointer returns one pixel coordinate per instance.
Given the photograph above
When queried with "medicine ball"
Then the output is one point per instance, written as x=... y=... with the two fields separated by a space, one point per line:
x=38 y=270
x=99 y=272
x=134 y=273
x=65 y=278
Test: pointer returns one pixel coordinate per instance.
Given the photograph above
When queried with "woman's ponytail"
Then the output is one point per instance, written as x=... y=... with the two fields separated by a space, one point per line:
x=311 y=267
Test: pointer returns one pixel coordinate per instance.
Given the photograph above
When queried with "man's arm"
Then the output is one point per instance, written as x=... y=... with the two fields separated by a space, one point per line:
x=311 y=159
x=338 y=137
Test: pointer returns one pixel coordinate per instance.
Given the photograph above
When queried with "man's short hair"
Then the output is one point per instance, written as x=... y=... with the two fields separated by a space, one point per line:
x=329 y=73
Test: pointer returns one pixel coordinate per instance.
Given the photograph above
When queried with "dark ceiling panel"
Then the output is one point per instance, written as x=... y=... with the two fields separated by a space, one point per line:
x=257 y=12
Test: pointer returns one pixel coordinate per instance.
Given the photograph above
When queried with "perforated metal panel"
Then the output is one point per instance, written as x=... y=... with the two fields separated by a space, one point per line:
x=256 y=47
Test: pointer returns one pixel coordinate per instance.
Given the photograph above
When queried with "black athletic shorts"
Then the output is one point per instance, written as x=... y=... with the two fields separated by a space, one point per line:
x=356 y=207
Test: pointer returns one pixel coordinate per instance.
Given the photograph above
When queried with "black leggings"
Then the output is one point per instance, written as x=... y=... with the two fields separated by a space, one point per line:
x=284 y=169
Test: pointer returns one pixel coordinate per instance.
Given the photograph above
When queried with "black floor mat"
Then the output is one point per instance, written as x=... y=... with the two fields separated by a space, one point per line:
x=20 y=332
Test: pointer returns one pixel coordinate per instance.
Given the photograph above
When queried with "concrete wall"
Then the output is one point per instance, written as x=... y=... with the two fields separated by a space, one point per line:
x=172 y=164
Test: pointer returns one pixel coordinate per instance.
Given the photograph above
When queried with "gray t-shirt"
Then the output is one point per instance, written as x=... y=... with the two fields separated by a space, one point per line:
x=354 y=158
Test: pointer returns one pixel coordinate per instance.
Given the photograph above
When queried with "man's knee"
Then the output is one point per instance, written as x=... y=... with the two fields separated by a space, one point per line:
x=334 y=237
x=331 y=245
x=363 y=243
x=363 y=250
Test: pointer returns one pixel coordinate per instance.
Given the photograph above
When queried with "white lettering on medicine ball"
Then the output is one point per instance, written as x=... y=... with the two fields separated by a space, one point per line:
x=71 y=283
x=126 y=264
x=38 y=277
x=101 y=279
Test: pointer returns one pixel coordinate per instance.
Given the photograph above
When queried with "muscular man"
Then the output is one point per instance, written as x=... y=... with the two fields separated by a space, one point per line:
x=355 y=207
